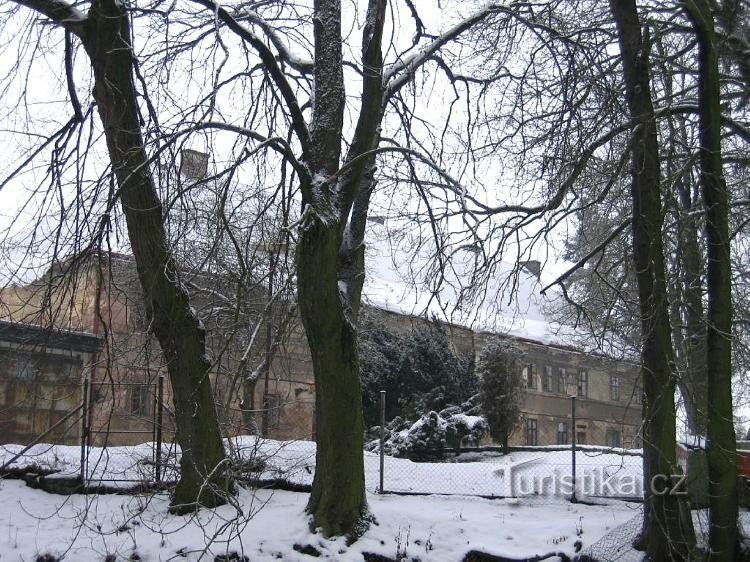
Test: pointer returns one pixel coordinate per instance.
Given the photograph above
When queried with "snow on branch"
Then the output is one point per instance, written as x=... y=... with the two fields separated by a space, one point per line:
x=269 y=62
x=60 y=12
x=303 y=65
x=401 y=72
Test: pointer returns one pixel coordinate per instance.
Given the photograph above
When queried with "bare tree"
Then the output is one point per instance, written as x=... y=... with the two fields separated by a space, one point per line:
x=298 y=104
x=335 y=192
x=722 y=471
x=105 y=33
x=667 y=533
x=233 y=245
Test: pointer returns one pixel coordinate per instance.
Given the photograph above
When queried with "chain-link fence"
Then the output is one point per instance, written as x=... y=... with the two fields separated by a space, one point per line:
x=523 y=471
x=567 y=468
x=76 y=445
x=576 y=458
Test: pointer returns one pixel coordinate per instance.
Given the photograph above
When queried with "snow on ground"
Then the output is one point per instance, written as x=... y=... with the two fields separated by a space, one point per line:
x=270 y=523
x=265 y=524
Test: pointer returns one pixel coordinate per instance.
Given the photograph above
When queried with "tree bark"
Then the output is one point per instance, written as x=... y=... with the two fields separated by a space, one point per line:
x=721 y=452
x=337 y=501
x=667 y=534
x=330 y=266
x=204 y=478
x=694 y=379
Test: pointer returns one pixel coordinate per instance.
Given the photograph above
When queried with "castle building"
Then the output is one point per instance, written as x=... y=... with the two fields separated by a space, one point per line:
x=84 y=321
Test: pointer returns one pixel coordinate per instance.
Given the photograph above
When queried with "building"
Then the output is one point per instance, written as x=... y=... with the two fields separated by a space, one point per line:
x=101 y=299
x=95 y=309
x=608 y=396
x=40 y=381
x=559 y=361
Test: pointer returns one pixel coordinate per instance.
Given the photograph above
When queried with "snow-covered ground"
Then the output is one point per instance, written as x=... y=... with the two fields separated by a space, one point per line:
x=521 y=473
x=266 y=525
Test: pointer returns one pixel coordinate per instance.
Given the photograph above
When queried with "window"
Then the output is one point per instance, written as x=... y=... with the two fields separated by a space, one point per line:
x=547 y=381
x=613 y=438
x=23 y=367
x=583 y=383
x=562 y=433
x=531 y=432
x=139 y=400
x=580 y=437
x=562 y=380
x=614 y=387
x=530 y=375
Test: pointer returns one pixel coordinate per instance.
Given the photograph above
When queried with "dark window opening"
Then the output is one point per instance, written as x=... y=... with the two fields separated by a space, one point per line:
x=547 y=381
x=613 y=438
x=583 y=383
x=273 y=410
x=614 y=388
x=140 y=400
x=530 y=375
x=532 y=437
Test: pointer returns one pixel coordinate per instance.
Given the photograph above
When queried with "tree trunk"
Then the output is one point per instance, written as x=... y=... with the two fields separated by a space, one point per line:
x=686 y=288
x=337 y=501
x=721 y=452
x=693 y=383
x=330 y=265
x=664 y=536
x=204 y=479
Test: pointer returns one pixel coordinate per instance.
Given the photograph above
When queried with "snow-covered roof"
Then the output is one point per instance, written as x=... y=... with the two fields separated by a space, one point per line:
x=401 y=278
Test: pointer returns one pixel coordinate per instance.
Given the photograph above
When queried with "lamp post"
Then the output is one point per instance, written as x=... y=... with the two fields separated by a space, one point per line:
x=573 y=393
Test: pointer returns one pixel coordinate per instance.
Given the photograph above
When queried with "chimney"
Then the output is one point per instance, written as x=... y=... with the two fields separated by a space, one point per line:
x=194 y=164
x=532 y=266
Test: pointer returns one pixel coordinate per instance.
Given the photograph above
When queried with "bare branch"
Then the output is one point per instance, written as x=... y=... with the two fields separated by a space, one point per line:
x=366 y=134
x=401 y=72
x=580 y=263
x=60 y=12
x=271 y=65
x=69 y=77
x=302 y=65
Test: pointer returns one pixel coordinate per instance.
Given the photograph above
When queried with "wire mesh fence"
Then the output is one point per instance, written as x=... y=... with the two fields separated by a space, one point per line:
x=567 y=468
x=589 y=472
x=617 y=545
x=82 y=450
x=574 y=457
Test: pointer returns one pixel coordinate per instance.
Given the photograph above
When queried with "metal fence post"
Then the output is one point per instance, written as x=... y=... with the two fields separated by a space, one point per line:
x=159 y=422
x=153 y=390
x=573 y=443
x=84 y=426
x=382 y=438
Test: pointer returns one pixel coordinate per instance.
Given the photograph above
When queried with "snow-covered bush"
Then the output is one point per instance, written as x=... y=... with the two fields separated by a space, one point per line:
x=426 y=438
